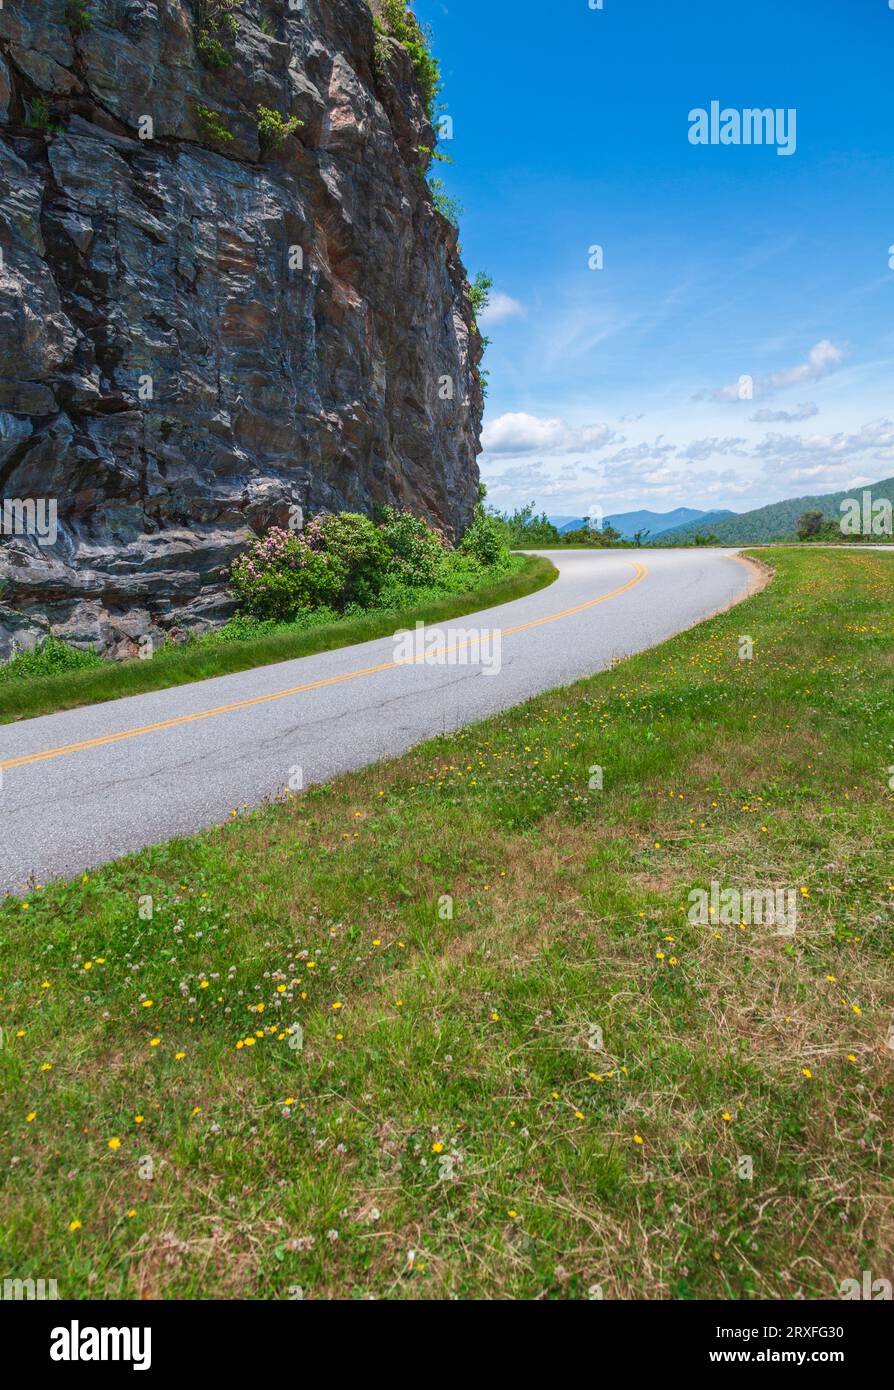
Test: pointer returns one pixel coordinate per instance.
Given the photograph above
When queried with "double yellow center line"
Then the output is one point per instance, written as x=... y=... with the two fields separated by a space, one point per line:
x=640 y=573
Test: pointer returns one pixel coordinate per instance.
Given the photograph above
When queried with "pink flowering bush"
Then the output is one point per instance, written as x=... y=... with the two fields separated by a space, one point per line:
x=284 y=572
x=349 y=563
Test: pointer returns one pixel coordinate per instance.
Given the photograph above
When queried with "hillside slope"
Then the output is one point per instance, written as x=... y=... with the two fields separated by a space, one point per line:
x=777 y=521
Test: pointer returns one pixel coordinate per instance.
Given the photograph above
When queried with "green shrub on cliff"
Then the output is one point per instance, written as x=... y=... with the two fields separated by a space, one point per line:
x=211 y=125
x=479 y=294
x=78 y=17
x=40 y=118
x=216 y=22
x=273 y=128
x=403 y=25
x=447 y=205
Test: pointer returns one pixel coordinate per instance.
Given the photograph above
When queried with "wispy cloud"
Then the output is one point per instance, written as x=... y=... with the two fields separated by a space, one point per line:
x=823 y=358
x=786 y=417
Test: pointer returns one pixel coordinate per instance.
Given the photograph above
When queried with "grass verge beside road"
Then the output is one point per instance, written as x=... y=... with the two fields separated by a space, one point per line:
x=181 y=665
x=444 y=1027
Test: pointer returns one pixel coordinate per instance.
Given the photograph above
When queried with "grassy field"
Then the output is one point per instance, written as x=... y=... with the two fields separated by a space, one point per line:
x=444 y=1028
x=180 y=665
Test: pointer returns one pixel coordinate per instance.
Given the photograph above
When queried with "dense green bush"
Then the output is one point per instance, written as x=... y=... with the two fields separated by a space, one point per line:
x=281 y=573
x=359 y=548
x=416 y=550
x=351 y=564
x=484 y=539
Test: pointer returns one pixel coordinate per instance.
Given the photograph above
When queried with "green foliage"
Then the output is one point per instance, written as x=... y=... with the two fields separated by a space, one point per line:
x=600 y=538
x=216 y=22
x=813 y=526
x=281 y=573
x=40 y=118
x=348 y=563
x=273 y=128
x=78 y=17
x=48 y=658
x=360 y=550
x=211 y=50
x=405 y=27
x=211 y=125
x=485 y=539
x=523 y=528
x=381 y=49
x=416 y=550
x=479 y=294
x=446 y=204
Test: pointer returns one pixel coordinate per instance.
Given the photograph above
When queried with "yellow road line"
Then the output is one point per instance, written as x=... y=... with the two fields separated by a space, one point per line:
x=640 y=573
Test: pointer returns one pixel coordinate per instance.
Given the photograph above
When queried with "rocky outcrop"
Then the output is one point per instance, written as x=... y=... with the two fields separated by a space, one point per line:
x=198 y=333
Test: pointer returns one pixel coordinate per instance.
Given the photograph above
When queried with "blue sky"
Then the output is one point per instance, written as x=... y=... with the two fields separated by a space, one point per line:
x=618 y=388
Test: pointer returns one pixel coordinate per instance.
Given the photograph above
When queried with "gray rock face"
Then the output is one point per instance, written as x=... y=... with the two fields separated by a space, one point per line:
x=197 y=333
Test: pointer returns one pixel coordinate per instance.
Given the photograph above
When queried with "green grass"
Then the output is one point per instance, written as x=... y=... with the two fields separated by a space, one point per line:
x=23 y=698
x=472 y=1037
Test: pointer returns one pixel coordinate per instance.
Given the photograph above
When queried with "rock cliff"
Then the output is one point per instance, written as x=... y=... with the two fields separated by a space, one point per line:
x=200 y=328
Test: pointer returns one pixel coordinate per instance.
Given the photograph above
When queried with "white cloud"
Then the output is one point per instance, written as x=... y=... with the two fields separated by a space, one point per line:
x=502 y=306
x=701 y=449
x=519 y=433
x=569 y=468
x=822 y=359
x=786 y=417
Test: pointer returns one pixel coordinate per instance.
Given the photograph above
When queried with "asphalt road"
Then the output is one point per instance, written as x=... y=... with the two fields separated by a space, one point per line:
x=88 y=785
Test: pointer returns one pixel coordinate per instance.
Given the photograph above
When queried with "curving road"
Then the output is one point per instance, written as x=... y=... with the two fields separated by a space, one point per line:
x=87 y=785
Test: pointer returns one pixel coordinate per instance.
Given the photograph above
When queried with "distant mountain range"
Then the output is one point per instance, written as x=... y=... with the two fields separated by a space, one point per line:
x=628 y=523
x=778 y=522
